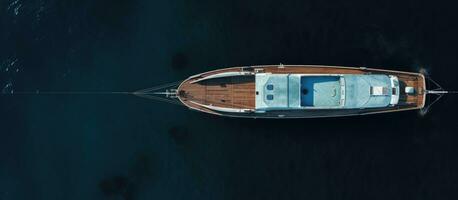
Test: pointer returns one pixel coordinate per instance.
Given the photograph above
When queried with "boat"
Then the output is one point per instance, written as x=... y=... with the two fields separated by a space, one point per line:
x=290 y=91
x=301 y=91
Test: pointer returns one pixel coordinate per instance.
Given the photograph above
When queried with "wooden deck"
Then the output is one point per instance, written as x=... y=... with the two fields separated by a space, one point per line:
x=230 y=92
x=239 y=92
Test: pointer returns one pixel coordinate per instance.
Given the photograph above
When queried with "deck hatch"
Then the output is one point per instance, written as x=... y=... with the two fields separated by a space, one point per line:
x=273 y=91
x=270 y=87
x=367 y=91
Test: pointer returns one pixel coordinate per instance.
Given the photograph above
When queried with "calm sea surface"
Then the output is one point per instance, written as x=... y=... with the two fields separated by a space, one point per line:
x=124 y=147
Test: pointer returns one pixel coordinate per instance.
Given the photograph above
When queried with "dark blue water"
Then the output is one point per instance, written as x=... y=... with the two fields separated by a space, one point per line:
x=124 y=147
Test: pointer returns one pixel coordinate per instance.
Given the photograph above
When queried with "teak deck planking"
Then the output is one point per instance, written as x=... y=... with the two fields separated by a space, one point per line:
x=239 y=92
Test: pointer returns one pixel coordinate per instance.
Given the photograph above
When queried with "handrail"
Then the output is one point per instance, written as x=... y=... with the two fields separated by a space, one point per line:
x=222 y=75
x=222 y=109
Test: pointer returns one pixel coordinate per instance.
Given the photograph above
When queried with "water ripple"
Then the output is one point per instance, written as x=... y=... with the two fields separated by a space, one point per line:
x=9 y=69
x=8 y=88
x=15 y=6
x=9 y=65
x=40 y=11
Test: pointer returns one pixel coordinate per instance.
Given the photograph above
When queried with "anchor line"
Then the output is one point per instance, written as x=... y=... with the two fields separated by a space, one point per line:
x=156 y=88
x=439 y=87
x=160 y=99
x=428 y=107
x=439 y=91
x=65 y=93
x=148 y=93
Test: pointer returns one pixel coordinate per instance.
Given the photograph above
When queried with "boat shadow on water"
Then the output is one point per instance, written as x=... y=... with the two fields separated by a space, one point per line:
x=389 y=126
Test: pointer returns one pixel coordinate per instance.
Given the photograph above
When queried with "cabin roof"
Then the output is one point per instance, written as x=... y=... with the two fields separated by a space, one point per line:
x=285 y=91
x=367 y=91
x=272 y=91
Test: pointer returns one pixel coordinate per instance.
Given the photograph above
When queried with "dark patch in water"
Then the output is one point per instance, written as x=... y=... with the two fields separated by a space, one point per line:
x=182 y=138
x=113 y=13
x=117 y=186
x=125 y=187
x=142 y=168
x=179 y=134
x=180 y=61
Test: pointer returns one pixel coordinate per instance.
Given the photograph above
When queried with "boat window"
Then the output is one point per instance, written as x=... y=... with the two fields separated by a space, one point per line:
x=393 y=91
x=270 y=97
x=270 y=87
